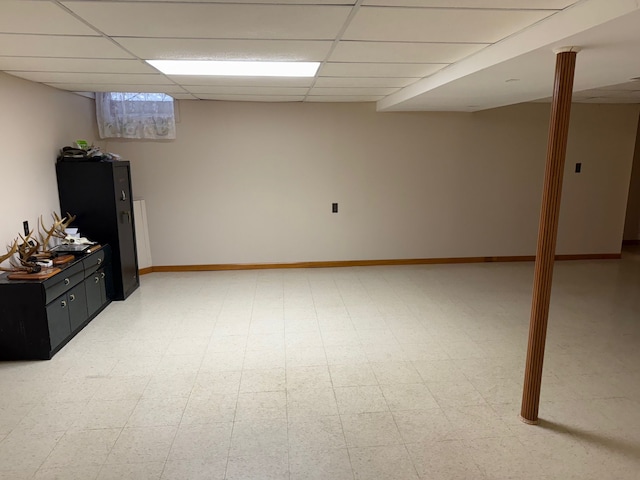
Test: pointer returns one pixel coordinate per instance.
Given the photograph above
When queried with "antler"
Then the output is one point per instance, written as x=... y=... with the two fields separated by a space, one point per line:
x=57 y=230
x=64 y=223
x=27 y=249
x=11 y=251
x=44 y=241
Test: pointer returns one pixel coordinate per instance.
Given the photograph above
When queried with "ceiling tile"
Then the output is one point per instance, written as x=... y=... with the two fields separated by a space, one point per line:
x=343 y=98
x=235 y=90
x=352 y=91
x=59 y=46
x=254 y=98
x=611 y=100
x=207 y=20
x=91 y=78
x=40 y=18
x=274 y=2
x=226 y=49
x=415 y=70
x=49 y=64
x=183 y=96
x=525 y=4
x=439 y=25
x=629 y=86
x=352 y=51
x=106 y=87
x=243 y=81
x=364 y=82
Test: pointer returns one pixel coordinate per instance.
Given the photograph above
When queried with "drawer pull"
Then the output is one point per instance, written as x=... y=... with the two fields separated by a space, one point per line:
x=72 y=297
x=67 y=281
x=97 y=279
x=99 y=261
x=102 y=275
x=63 y=303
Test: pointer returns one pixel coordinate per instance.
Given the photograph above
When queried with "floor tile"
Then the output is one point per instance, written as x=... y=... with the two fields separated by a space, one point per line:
x=25 y=449
x=444 y=459
x=256 y=405
x=389 y=462
x=315 y=433
x=82 y=448
x=260 y=467
x=331 y=464
x=206 y=442
x=195 y=469
x=68 y=473
x=311 y=401
x=259 y=437
x=263 y=380
x=360 y=399
x=352 y=375
x=408 y=396
x=370 y=429
x=211 y=408
x=157 y=411
x=131 y=471
x=142 y=445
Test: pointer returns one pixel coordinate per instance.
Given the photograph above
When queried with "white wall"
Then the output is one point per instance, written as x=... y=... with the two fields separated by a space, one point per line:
x=35 y=122
x=632 y=222
x=253 y=183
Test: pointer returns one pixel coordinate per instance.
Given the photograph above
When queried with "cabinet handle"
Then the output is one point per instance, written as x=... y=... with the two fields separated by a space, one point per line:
x=66 y=281
x=72 y=297
x=63 y=303
x=102 y=275
x=97 y=279
x=99 y=261
x=123 y=196
x=127 y=213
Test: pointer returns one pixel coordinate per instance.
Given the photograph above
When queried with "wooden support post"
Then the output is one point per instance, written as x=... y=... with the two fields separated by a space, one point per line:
x=548 y=230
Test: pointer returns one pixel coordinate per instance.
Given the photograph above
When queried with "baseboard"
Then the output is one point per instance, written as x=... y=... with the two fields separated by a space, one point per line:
x=144 y=271
x=630 y=242
x=370 y=263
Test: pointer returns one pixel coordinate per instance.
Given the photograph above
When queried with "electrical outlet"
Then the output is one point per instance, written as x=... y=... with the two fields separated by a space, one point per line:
x=334 y=208
x=25 y=227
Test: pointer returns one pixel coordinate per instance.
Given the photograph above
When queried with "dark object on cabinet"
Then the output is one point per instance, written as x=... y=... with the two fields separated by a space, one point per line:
x=99 y=194
x=37 y=318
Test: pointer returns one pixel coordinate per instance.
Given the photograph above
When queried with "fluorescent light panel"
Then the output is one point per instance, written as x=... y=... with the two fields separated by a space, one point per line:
x=236 y=68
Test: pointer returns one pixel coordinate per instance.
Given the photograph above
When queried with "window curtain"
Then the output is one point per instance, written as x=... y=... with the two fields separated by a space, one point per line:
x=135 y=115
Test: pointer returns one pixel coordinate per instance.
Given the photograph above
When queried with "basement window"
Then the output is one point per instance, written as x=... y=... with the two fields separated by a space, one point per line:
x=147 y=116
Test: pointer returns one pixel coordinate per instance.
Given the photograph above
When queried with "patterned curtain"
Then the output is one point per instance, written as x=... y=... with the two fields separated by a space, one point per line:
x=135 y=115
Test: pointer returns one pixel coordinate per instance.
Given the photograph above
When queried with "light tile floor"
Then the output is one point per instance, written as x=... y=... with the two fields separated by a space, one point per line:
x=374 y=373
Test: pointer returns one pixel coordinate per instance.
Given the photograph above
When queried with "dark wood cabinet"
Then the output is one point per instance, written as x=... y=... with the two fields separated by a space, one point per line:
x=37 y=318
x=100 y=195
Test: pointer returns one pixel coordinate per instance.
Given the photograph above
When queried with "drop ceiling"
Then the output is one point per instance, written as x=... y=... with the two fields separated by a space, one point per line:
x=460 y=55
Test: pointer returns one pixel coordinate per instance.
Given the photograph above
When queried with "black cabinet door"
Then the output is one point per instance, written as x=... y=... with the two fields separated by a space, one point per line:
x=77 y=307
x=58 y=320
x=124 y=208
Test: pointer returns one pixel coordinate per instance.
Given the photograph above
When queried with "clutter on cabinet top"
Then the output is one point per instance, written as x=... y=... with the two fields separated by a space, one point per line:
x=81 y=151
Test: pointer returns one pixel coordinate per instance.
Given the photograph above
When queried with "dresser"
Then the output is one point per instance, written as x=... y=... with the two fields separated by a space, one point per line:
x=38 y=317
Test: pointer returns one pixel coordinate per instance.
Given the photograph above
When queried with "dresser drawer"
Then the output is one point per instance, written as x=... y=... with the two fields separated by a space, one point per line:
x=59 y=284
x=93 y=262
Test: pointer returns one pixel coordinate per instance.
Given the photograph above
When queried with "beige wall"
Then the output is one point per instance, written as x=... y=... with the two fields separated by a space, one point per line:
x=632 y=222
x=35 y=122
x=251 y=183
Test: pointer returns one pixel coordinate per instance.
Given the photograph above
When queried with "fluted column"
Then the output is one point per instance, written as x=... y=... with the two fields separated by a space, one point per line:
x=548 y=230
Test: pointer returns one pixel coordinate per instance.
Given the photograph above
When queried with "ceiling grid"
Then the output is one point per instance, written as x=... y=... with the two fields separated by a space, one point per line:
x=403 y=54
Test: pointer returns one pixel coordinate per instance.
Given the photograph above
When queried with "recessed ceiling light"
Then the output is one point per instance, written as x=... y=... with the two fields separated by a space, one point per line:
x=236 y=68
